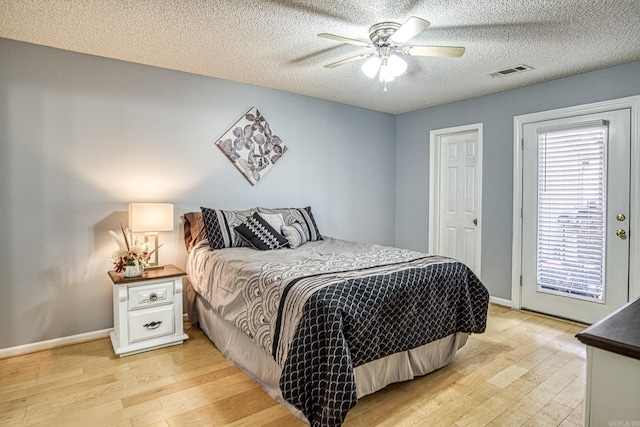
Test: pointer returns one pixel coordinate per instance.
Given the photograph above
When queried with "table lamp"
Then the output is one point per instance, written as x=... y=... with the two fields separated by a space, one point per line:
x=151 y=218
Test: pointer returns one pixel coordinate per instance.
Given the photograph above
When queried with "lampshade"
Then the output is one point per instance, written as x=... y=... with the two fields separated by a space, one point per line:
x=396 y=65
x=371 y=66
x=150 y=217
x=386 y=74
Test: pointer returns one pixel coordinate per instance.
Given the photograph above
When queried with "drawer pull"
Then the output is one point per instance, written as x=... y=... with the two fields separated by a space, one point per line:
x=152 y=325
x=153 y=297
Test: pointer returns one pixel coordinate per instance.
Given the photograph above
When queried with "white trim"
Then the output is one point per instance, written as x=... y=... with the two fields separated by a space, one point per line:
x=632 y=102
x=434 y=185
x=516 y=244
x=500 y=301
x=60 y=342
x=54 y=343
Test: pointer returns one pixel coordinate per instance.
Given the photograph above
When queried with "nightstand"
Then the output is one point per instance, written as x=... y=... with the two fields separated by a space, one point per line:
x=147 y=310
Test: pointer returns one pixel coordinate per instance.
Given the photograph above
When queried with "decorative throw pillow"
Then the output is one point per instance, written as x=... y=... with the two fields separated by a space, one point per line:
x=300 y=215
x=220 y=226
x=274 y=220
x=295 y=234
x=259 y=234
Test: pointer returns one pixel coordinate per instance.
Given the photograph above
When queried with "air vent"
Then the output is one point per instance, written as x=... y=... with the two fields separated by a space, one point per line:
x=509 y=71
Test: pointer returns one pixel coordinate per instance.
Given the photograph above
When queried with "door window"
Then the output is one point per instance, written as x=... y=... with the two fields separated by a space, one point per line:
x=572 y=210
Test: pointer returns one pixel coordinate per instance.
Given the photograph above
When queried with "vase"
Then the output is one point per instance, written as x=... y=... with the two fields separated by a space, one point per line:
x=132 y=270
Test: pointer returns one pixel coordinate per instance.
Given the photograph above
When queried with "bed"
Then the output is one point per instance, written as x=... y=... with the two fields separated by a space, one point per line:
x=329 y=321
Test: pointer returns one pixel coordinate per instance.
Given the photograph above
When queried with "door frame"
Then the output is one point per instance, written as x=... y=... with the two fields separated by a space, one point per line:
x=633 y=103
x=435 y=137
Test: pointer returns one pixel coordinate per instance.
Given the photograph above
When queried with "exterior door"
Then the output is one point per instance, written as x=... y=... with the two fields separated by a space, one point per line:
x=458 y=190
x=575 y=216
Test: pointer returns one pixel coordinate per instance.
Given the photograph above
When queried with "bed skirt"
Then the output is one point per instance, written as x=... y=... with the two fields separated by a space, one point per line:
x=240 y=350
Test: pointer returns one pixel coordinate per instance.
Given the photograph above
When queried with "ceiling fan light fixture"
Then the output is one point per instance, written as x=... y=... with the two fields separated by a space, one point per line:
x=371 y=66
x=387 y=68
x=396 y=65
x=386 y=74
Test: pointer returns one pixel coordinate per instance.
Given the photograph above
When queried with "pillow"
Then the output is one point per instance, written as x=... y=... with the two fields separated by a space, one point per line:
x=220 y=226
x=259 y=234
x=299 y=215
x=295 y=234
x=194 y=230
x=274 y=220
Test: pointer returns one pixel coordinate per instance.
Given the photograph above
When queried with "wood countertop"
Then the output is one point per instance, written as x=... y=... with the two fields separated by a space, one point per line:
x=167 y=271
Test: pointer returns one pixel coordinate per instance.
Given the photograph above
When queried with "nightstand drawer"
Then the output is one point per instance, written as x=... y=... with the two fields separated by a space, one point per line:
x=150 y=295
x=151 y=323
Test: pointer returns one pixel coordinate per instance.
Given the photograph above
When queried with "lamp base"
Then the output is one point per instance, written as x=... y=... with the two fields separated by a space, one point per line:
x=154 y=235
x=154 y=267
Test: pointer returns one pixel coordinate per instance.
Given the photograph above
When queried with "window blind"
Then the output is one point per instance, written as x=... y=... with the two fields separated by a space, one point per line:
x=572 y=164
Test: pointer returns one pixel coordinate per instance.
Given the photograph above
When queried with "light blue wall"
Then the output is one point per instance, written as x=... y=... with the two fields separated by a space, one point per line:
x=496 y=112
x=82 y=136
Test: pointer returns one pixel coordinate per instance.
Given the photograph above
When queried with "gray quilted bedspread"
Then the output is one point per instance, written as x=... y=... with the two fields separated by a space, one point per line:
x=329 y=306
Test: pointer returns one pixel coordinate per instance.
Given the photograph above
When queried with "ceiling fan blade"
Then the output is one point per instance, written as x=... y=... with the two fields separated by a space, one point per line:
x=346 y=61
x=448 y=51
x=344 y=39
x=411 y=28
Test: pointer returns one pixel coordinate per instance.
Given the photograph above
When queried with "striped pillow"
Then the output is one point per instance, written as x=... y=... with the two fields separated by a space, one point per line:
x=274 y=220
x=295 y=234
x=301 y=215
x=220 y=224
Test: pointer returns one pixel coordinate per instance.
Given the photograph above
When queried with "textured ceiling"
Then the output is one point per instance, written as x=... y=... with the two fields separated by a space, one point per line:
x=274 y=43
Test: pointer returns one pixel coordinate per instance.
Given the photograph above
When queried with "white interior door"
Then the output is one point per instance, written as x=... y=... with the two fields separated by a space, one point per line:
x=456 y=185
x=575 y=220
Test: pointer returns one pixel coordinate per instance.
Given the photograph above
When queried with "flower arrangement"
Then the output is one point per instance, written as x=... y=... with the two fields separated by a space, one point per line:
x=131 y=252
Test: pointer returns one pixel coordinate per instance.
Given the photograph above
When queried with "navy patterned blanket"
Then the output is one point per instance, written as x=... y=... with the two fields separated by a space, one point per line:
x=346 y=323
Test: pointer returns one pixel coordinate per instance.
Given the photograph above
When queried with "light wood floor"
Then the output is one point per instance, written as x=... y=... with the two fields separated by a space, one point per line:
x=526 y=369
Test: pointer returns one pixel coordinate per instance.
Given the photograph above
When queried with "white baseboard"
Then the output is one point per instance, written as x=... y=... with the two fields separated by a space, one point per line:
x=54 y=343
x=501 y=301
x=59 y=342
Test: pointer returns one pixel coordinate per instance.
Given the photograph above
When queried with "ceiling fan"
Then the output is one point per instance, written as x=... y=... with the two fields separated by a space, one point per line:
x=388 y=39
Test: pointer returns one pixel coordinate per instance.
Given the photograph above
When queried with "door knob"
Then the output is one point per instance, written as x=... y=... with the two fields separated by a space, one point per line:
x=475 y=221
x=621 y=233
x=621 y=217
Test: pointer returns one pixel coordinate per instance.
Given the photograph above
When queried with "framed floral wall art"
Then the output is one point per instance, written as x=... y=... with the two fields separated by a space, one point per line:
x=252 y=145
